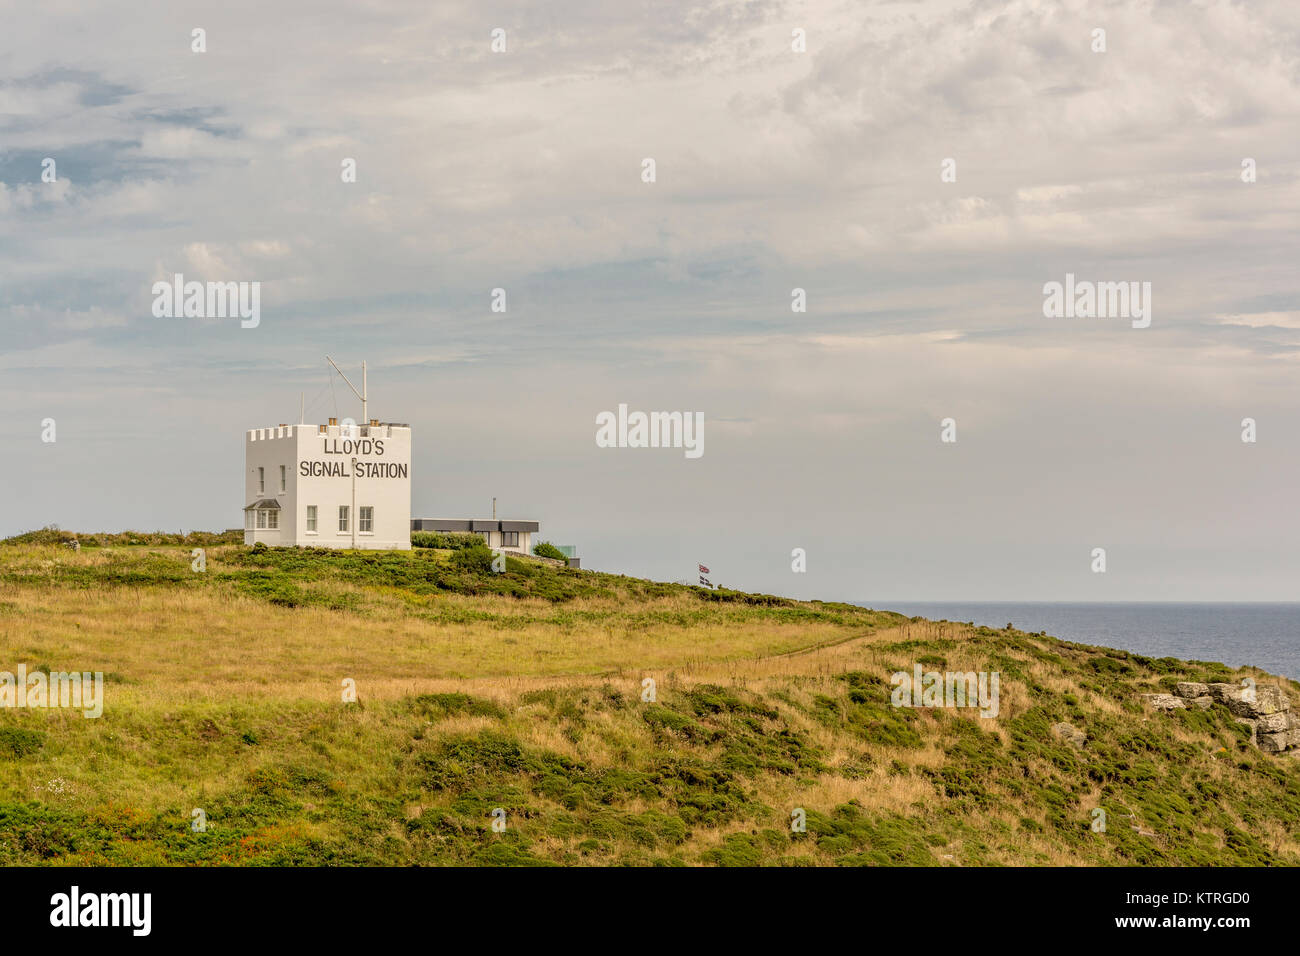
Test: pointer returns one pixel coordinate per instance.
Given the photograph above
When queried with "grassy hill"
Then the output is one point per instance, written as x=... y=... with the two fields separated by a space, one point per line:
x=523 y=691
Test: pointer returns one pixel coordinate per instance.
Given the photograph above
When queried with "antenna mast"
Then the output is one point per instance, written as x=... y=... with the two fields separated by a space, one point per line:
x=365 y=415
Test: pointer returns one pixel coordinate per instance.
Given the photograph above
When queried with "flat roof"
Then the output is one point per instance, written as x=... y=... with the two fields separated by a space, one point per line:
x=472 y=524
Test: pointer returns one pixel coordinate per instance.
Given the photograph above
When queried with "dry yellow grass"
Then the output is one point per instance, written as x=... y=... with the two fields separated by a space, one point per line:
x=213 y=692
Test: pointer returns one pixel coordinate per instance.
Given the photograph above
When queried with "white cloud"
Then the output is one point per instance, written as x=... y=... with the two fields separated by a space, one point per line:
x=776 y=170
x=1258 y=320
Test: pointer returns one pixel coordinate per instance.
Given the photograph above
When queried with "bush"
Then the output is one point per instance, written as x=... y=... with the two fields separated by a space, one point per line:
x=448 y=540
x=51 y=534
x=17 y=742
x=477 y=559
x=547 y=550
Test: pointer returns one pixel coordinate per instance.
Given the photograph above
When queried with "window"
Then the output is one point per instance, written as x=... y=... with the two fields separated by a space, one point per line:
x=509 y=539
x=487 y=537
x=261 y=481
x=248 y=520
x=366 y=519
x=272 y=519
x=261 y=519
x=282 y=477
x=311 y=519
x=343 y=517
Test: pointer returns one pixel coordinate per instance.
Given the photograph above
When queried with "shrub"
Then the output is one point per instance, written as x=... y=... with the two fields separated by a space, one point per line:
x=547 y=550
x=18 y=742
x=448 y=540
x=447 y=705
x=477 y=558
x=51 y=534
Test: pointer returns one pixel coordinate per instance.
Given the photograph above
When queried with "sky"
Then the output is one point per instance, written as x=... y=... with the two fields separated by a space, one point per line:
x=775 y=168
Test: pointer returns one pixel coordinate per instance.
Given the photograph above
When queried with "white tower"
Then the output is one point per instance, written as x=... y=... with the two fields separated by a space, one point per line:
x=329 y=486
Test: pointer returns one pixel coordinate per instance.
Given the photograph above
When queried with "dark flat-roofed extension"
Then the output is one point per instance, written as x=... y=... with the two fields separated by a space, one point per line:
x=439 y=524
x=471 y=524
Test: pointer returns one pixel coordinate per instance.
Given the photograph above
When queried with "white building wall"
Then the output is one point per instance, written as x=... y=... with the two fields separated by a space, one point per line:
x=524 y=546
x=330 y=468
x=268 y=449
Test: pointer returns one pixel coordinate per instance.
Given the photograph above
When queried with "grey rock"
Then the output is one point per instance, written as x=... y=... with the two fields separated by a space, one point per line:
x=1272 y=723
x=1165 y=702
x=1191 y=689
x=1273 y=743
x=1071 y=735
x=1222 y=692
x=1271 y=699
x=1204 y=703
x=1241 y=708
x=1267 y=700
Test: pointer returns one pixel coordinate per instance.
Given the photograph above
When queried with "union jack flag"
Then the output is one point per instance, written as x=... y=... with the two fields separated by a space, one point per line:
x=703 y=569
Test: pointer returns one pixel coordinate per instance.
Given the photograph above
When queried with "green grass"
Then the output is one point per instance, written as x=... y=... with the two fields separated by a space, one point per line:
x=522 y=692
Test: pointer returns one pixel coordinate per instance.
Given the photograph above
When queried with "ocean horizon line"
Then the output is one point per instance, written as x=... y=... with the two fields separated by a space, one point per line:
x=883 y=605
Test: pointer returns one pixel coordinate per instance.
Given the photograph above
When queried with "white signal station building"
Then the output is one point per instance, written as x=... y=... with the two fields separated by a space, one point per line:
x=329 y=486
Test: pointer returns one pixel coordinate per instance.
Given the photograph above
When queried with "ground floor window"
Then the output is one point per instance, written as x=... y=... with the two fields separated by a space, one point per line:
x=311 y=518
x=509 y=539
x=343 y=517
x=272 y=520
x=248 y=520
x=261 y=520
x=366 y=519
x=487 y=537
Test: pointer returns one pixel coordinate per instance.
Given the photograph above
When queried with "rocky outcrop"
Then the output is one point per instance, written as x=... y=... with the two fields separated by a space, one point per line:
x=1273 y=723
x=1266 y=710
x=1164 y=701
x=1071 y=734
x=1251 y=701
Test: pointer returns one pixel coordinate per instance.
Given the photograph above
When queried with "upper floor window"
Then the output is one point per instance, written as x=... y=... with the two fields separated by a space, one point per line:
x=283 y=469
x=261 y=481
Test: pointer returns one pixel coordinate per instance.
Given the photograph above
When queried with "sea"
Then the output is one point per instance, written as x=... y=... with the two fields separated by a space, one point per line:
x=1262 y=635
